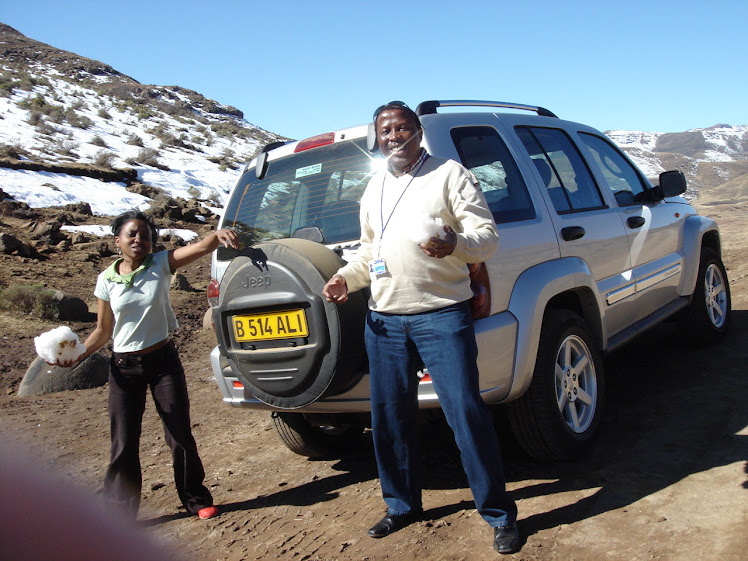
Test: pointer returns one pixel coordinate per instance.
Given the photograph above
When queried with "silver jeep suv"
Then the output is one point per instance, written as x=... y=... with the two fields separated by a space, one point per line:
x=591 y=255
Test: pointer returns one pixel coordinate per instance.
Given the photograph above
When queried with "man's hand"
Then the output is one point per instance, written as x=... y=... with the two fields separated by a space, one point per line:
x=440 y=248
x=336 y=290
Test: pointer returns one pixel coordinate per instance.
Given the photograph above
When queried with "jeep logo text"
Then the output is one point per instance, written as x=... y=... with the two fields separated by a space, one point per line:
x=256 y=282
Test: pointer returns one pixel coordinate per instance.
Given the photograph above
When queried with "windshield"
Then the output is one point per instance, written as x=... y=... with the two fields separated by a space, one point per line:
x=318 y=188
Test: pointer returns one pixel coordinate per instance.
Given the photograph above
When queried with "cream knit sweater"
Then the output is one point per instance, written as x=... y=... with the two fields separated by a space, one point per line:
x=415 y=282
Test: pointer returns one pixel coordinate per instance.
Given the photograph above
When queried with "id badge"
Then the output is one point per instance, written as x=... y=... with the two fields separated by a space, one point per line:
x=377 y=267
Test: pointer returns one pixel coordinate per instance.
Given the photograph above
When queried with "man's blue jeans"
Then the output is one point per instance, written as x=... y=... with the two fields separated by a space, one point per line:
x=445 y=340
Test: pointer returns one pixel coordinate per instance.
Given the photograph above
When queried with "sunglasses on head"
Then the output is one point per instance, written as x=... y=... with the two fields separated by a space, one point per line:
x=389 y=105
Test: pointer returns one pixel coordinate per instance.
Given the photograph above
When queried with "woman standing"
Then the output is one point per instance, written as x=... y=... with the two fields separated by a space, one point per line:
x=133 y=309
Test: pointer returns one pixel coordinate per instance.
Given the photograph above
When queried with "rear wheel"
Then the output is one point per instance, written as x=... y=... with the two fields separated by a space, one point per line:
x=708 y=315
x=559 y=415
x=314 y=441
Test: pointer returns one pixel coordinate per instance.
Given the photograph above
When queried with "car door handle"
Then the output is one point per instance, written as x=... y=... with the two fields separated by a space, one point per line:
x=635 y=221
x=571 y=233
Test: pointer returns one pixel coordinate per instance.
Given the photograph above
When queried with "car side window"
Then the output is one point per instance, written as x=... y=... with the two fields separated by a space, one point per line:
x=483 y=152
x=625 y=182
x=567 y=178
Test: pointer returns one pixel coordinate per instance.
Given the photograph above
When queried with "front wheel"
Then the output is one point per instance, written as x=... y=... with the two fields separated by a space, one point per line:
x=708 y=315
x=559 y=415
x=307 y=439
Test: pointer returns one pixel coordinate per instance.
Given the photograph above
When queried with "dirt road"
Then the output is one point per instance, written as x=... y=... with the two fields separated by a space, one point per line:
x=666 y=480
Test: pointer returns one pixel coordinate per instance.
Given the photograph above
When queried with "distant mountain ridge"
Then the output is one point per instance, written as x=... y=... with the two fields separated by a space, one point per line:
x=59 y=107
x=714 y=159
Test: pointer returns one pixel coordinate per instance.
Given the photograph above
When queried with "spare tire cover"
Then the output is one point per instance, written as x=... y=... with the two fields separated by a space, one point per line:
x=268 y=280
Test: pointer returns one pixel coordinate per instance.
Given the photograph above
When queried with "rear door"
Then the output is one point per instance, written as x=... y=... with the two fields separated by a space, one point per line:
x=526 y=233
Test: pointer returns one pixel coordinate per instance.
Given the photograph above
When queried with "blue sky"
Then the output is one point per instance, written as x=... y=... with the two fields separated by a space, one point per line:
x=299 y=68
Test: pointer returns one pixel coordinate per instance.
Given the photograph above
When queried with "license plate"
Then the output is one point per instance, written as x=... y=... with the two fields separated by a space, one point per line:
x=276 y=325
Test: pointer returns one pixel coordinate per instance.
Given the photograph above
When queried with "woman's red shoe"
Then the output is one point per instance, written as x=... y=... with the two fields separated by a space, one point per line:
x=207 y=512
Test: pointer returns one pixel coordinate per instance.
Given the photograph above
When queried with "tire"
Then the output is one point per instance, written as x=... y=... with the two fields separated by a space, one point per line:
x=289 y=373
x=707 y=317
x=306 y=439
x=559 y=415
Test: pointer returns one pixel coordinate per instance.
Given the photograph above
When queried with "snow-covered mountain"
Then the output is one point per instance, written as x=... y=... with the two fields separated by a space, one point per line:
x=714 y=158
x=84 y=122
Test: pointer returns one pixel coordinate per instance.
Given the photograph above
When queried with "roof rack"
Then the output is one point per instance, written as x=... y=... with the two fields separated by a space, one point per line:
x=429 y=107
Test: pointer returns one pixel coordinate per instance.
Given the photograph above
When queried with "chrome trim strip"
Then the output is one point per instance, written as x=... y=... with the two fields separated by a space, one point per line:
x=620 y=294
x=658 y=277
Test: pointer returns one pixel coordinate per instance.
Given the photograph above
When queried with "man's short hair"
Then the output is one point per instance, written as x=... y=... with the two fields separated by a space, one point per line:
x=399 y=106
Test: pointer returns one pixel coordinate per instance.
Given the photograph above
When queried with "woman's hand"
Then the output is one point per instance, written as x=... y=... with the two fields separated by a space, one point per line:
x=228 y=238
x=440 y=248
x=186 y=254
x=67 y=363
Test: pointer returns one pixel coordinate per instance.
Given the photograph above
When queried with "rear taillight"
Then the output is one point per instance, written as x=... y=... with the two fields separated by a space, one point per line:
x=214 y=290
x=480 y=284
x=424 y=376
x=315 y=141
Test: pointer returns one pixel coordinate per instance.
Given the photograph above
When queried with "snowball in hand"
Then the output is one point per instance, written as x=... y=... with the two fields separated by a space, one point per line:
x=427 y=227
x=59 y=344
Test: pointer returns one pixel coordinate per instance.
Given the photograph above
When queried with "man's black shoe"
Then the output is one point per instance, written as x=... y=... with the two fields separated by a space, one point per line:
x=506 y=538
x=392 y=523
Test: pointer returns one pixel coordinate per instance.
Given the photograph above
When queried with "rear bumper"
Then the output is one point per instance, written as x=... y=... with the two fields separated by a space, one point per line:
x=496 y=337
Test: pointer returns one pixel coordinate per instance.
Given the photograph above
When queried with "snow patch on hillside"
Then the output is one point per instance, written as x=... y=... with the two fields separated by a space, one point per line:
x=113 y=131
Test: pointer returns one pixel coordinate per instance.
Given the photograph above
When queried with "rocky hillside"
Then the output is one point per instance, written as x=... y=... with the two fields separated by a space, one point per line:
x=97 y=132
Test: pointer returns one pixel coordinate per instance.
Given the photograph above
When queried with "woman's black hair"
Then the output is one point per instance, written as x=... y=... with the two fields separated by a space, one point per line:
x=134 y=214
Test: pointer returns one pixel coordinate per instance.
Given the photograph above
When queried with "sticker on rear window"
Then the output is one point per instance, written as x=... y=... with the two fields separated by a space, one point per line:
x=308 y=170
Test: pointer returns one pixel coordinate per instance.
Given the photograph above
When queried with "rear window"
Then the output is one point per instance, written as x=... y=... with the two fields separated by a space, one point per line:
x=319 y=188
x=482 y=150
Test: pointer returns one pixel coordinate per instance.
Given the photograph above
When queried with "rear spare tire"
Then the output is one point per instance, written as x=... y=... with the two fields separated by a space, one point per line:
x=284 y=341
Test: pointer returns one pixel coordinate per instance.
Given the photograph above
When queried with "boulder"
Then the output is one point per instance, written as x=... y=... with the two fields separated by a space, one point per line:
x=80 y=237
x=101 y=249
x=208 y=319
x=11 y=245
x=16 y=208
x=168 y=209
x=71 y=308
x=64 y=245
x=43 y=378
x=47 y=232
x=145 y=190
x=79 y=208
x=180 y=282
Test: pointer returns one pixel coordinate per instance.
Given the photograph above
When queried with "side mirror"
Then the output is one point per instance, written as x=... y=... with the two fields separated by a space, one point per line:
x=371 y=138
x=672 y=183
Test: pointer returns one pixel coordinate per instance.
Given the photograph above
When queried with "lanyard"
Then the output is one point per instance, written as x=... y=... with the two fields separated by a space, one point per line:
x=381 y=201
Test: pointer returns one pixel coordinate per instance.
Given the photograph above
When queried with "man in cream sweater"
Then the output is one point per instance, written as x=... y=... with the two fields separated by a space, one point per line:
x=419 y=309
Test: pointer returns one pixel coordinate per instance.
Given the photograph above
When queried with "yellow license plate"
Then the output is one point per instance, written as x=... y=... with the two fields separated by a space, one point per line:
x=276 y=325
